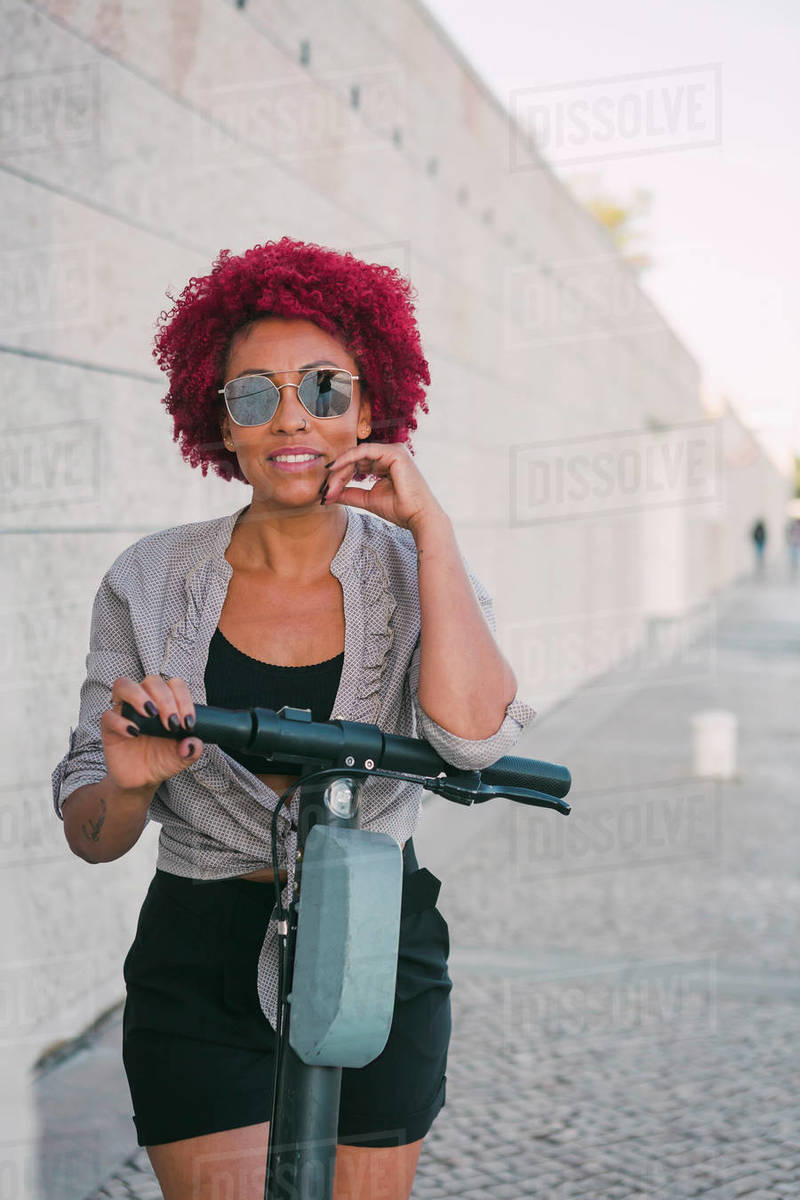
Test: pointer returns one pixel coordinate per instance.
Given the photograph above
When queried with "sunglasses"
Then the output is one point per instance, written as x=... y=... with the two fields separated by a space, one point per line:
x=254 y=399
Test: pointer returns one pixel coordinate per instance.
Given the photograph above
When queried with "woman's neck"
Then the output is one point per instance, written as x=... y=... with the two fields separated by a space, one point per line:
x=291 y=545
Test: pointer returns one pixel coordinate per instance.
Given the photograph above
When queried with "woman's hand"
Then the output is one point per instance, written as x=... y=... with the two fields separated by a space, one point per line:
x=401 y=494
x=137 y=760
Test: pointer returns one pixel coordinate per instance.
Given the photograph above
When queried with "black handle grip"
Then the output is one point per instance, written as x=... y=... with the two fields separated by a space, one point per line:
x=529 y=773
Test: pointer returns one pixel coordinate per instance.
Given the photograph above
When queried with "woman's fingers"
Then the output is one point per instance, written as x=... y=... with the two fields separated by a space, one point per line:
x=113 y=722
x=134 y=760
x=377 y=461
x=131 y=692
x=163 y=698
x=368 y=466
x=370 y=452
x=184 y=705
x=190 y=748
x=170 y=700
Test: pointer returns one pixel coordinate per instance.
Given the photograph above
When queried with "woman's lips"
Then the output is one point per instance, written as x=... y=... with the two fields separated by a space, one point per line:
x=291 y=467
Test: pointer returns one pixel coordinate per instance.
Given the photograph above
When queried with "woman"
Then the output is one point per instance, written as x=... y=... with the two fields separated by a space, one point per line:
x=354 y=603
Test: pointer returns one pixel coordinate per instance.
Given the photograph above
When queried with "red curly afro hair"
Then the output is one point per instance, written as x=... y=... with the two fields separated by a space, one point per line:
x=366 y=305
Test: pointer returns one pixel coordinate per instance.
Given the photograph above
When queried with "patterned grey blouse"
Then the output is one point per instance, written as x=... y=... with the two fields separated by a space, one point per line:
x=155 y=613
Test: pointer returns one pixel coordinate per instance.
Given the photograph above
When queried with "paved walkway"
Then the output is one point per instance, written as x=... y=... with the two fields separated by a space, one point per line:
x=626 y=1012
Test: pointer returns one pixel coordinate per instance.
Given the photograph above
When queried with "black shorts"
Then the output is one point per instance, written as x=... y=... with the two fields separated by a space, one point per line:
x=198 y=1051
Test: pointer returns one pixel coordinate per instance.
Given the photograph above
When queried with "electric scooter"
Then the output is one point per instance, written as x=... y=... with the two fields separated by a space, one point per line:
x=339 y=937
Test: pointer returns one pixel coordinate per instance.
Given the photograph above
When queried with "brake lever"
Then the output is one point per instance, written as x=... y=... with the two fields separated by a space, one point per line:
x=466 y=794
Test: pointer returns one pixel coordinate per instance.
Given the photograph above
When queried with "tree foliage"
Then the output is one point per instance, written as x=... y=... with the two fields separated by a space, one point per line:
x=623 y=218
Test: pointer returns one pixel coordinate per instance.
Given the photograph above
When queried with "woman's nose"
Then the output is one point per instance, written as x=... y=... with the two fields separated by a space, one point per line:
x=290 y=413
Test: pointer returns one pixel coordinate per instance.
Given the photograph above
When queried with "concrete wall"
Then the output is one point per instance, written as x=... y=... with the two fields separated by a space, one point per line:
x=139 y=140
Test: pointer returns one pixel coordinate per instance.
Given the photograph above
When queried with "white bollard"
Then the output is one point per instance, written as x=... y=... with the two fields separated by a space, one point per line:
x=714 y=742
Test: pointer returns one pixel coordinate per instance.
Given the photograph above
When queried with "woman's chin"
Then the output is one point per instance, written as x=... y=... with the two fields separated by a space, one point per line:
x=292 y=498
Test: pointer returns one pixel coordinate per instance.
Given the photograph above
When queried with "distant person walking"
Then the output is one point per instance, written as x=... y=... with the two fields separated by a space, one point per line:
x=759 y=536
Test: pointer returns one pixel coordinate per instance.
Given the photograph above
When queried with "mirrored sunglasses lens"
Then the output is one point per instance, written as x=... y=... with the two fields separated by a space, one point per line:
x=251 y=401
x=326 y=393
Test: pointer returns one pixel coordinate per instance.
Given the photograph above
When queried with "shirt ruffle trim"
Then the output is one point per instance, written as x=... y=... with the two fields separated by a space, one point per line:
x=378 y=604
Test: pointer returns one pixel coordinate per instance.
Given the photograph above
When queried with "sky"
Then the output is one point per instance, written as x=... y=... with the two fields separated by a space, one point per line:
x=723 y=228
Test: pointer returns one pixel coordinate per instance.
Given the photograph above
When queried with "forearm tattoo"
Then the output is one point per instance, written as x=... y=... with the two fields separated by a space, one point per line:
x=91 y=831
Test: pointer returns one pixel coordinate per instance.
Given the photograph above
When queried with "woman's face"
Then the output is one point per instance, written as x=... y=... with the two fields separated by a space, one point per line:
x=283 y=347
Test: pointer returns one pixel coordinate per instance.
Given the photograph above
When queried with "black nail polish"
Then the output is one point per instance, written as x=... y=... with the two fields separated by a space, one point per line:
x=134 y=730
x=189 y=721
x=150 y=708
x=174 y=722
x=330 y=464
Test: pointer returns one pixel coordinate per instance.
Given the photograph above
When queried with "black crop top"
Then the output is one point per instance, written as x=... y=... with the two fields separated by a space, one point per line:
x=235 y=680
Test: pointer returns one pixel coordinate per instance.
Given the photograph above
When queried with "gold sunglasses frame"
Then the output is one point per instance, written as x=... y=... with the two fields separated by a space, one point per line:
x=279 y=386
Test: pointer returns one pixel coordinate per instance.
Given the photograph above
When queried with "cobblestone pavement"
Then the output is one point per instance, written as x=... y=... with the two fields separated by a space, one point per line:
x=625 y=1020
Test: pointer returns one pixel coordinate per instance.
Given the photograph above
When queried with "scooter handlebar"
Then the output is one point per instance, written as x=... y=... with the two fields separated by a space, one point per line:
x=292 y=734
